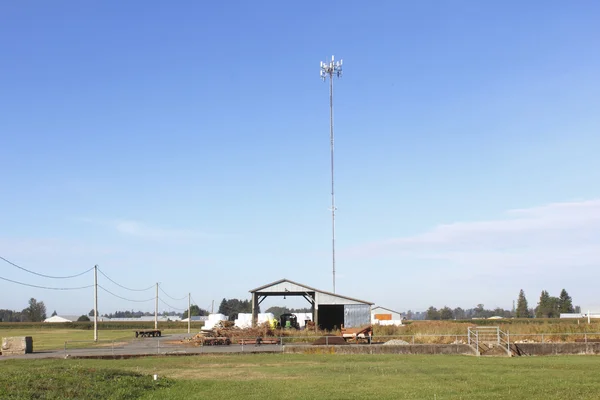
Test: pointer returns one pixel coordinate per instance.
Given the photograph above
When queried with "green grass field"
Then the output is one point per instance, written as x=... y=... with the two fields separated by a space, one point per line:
x=284 y=376
x=52 y=339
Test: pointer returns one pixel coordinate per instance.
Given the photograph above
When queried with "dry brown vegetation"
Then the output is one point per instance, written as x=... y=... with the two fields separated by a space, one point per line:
x=553 y=330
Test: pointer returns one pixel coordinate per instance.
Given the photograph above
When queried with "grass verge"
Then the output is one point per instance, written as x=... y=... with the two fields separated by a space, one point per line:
x=320 y=376
x=75 y=381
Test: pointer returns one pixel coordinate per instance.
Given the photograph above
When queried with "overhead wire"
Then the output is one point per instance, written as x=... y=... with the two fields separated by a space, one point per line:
x=44 y=275
x=124 y=298
x=45 y=287
x=169 y=296
x=89 y=286
x=170 y=306
x=124 y=287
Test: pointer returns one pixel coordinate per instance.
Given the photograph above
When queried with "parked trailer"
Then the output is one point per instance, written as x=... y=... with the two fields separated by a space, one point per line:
x=148 y=333
x=358 y=335
x=216 y=341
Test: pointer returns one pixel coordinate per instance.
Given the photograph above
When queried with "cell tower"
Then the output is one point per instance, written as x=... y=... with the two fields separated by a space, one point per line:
x=329 y=69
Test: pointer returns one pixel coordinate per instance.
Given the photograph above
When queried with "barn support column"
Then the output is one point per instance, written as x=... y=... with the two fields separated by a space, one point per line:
x=254 y=310
x=316 y=310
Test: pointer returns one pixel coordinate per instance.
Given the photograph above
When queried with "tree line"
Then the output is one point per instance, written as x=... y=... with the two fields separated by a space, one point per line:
x=547 y=307
x=279 y=311
x=233 y=307
x=35 y=312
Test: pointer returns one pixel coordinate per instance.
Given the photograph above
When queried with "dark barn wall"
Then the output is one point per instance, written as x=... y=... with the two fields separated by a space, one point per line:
x=331 y=316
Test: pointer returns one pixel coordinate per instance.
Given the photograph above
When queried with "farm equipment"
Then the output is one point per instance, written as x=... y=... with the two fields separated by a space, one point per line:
x=288 y=321
x=148 y=333
x=358 y=335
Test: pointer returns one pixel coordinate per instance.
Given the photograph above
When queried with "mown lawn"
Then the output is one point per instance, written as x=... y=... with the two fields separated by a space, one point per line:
x=52 y=339
x=295 y=376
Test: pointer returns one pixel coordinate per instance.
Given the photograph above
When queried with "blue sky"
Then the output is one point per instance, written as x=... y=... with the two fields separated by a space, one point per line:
x=188 y=144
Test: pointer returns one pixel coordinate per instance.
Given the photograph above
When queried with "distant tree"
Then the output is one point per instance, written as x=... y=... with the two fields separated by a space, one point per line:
x=278 y=311
x=500 y=312
x=224 y=307
x=554 y=310
x=446 y=313
x=548 y=307
x=459 y=313
x=83 y=318
x=479 y=311
x=233 y=307
x=565 y=303
x=36 y=312
x=432 y=313
x=409 y=315
x=543 y=304
x=195 y=311
x=91 y=313
x=522 y=310
x=577 y=309
x=54 y=313
x=11 y=316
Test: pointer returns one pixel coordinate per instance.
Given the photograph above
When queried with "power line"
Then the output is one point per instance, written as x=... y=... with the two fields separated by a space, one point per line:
x=170 y=306
x=45 y=287
x=124 y=287
x=169 y=296
x=124 y=298
x=42 y=275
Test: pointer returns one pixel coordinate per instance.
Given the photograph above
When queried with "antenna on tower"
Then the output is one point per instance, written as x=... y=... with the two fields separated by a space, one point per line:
x=329 y=70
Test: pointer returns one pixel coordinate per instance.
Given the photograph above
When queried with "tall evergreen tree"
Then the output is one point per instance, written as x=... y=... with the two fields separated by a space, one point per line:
x=522 y=310
x=224 y=307
x=544 y=305
x=565 y=303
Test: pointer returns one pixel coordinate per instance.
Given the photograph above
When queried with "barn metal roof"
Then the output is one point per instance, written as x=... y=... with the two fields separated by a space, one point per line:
x=386 y=309
x=308 y=289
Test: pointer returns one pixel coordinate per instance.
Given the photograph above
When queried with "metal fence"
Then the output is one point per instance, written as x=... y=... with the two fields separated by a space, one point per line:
x=180 y=344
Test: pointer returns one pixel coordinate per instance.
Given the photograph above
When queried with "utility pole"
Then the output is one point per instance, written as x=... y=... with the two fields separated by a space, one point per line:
x=156 y=309
x=95 y=303
x=212 y=308
x=189 y=310
x=329 y=70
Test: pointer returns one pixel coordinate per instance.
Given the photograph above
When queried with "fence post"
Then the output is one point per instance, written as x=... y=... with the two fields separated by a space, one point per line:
x=542 y=338
x=413 y=339
x=65 y=349
x=585 y=338
x=326 y=340
x=158 y=346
